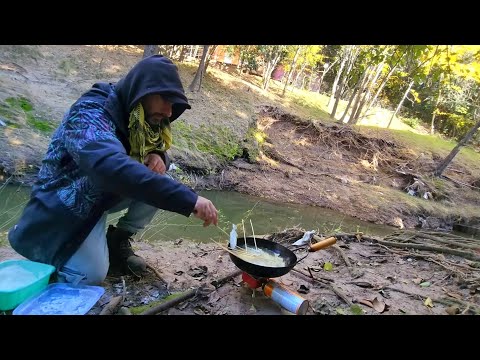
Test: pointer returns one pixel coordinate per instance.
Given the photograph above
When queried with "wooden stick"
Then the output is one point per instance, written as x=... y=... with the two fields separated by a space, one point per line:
x=244 y=236
x=319 y=278
x=185 y=296
x=112 y=305
x=168 y=304
x=156 y=273
x=351 y=270
x=255 y=241
x=219 y=282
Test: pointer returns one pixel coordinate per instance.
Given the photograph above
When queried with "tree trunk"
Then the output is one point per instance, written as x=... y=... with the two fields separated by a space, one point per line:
x=183 y=52
x=354 y=93
x=358 y=93
x=323 y=75
x=311 y=82
x=380 y=88
x=337 y=78
x=300 y=73
x=432 y=128
x=273 y=59
x=150 y=50
x=197 y=80
x=290 y=72
x=367 y=95
x=440 y=169
x=360 y=96
x=400 y=104
x=341 y=86
x=196 y=51
x=171 y=51
x=210 y=54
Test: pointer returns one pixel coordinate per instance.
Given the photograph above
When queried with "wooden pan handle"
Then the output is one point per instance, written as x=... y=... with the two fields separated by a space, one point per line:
x=323 y=244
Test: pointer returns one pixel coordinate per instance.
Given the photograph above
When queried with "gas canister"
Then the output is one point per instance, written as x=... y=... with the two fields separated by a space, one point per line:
x=288 y=299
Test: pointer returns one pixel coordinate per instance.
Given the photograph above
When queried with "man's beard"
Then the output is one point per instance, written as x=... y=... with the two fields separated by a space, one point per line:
x=154 y=123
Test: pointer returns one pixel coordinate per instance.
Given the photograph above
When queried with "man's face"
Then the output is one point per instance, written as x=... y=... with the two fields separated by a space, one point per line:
x=156 y=109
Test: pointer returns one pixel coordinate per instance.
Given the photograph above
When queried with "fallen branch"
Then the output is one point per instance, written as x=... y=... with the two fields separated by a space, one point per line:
x=219 y=282
x=445 y=301
x=440 y=240
x=185 y=296
x=353 y=272
x=320 y=278
x=112 y=305
x=332 y=287
x=156 y=273
x=439 y=249
x=341 y=295
x=460 y=183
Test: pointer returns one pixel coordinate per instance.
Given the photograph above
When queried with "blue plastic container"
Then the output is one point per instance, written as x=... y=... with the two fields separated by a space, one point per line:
x=21 y=279
x=62 y=299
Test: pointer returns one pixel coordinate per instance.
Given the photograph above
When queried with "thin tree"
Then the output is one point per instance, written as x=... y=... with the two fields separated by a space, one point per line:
x=353 y=52
x=443 y=165
x=369 y=87
x=149 y=50
x=359 y=91
x=434 y=112
x=197 y=80
x=183 y=52
x=400 y=104
x=211 y=51
x=292 y=67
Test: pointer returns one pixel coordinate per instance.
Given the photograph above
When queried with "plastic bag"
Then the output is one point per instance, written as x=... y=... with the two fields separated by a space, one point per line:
x=233 y=237
x=305 y=239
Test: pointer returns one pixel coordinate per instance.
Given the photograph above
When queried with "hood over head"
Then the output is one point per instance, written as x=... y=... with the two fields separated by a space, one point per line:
x=155 y=74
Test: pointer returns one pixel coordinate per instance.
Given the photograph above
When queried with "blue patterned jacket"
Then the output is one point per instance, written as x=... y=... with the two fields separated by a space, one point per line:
x=87 y=169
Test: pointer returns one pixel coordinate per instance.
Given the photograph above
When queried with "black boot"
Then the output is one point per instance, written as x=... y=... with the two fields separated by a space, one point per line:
x=122 y=258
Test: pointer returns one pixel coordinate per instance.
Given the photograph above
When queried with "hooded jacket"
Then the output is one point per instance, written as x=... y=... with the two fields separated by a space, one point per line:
x=87 y=169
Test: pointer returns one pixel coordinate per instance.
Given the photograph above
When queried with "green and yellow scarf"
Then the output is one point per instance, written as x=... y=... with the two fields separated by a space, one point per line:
x=143 y=139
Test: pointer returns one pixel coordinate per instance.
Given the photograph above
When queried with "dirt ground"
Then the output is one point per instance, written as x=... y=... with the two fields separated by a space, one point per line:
x=379 y=280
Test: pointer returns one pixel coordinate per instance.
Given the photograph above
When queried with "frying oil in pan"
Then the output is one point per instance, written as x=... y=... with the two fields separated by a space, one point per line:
x=262 y=257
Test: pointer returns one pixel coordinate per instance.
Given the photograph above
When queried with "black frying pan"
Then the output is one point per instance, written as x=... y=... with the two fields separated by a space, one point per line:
x=264 y=271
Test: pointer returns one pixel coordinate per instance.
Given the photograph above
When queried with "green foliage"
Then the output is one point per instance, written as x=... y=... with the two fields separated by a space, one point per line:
x=40 y=124
x=20 y=102
x=356 y=309
x=218 y=141
x=412 y=122
x=21 y=106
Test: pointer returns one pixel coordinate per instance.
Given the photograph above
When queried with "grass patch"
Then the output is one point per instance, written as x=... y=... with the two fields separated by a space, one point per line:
x=20 y=102
x=40 y=124
x=218 y=141
x=313 y=105
x=21 y=109
x=3 y=239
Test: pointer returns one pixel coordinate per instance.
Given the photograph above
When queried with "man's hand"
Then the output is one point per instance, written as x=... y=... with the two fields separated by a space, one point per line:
x=155 y=163
x=205 y=210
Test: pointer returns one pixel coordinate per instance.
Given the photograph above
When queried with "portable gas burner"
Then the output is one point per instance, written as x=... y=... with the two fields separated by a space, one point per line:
x=258 y=276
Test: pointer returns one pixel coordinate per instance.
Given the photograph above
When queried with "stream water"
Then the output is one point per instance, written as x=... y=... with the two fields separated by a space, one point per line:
x=266 y=217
